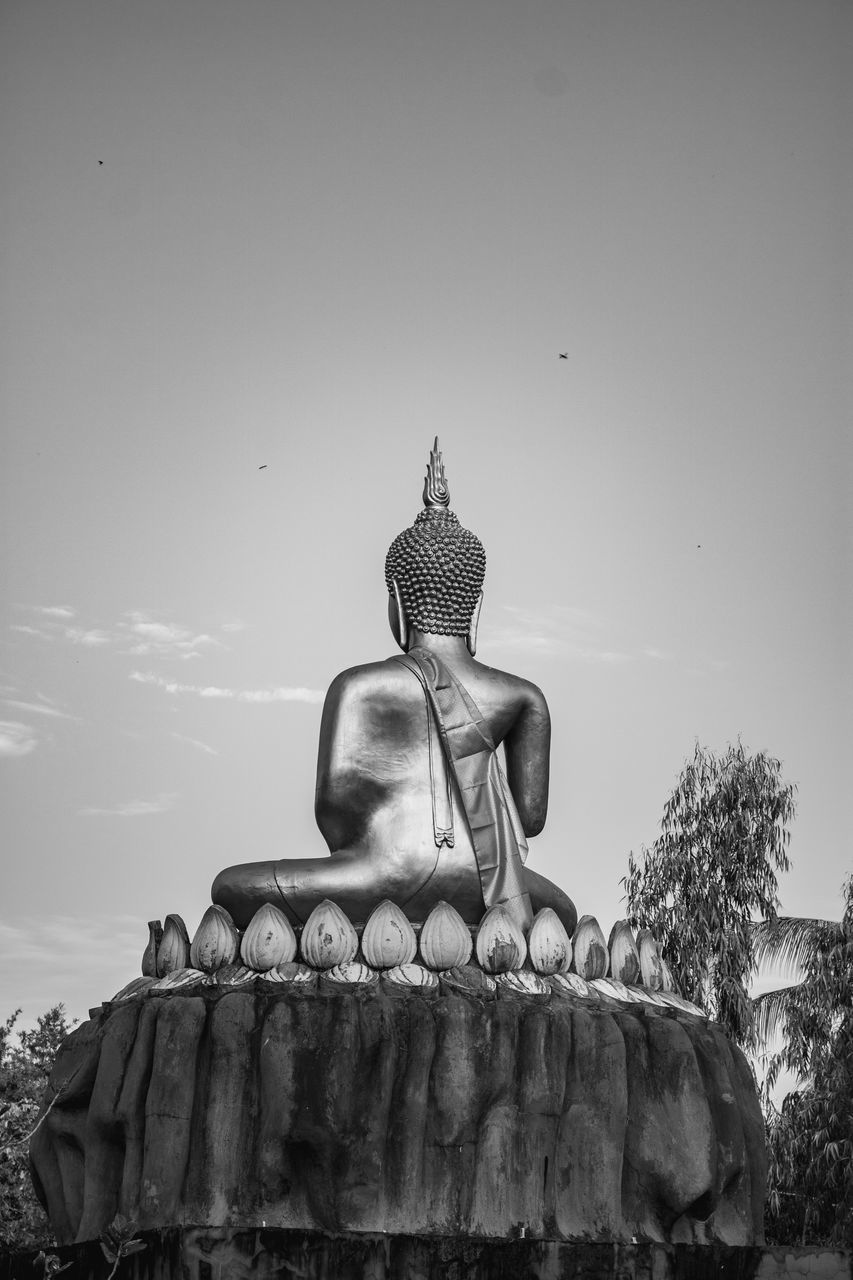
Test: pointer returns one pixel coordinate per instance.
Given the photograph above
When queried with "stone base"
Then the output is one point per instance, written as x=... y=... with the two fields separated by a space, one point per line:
x=458 y=1115
x=198 y=1253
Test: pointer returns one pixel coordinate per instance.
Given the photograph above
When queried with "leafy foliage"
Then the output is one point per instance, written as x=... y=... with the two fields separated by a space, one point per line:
x=118 y=1241
x=810 y=1181
x=724 y=835
x=24 y=1068
x=810 y=1140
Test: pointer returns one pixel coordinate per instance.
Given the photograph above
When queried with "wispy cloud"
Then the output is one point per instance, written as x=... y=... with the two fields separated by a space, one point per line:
x=132 y=808
x=52 y=610
x=30 y=631
x=55 y=621
x=281 y=694
x=234 y=626
x=561 y=631
x=16 y=739
x=297 y=694
x=194 y=742
x=39 y=708
x=54 y=617
x=93 y=639
x=145 y=634
x=164 y=639
x=578 y=635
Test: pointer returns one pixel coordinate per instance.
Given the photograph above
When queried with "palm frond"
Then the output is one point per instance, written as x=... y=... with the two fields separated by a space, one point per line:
x=769 y=1013
x=794 y=942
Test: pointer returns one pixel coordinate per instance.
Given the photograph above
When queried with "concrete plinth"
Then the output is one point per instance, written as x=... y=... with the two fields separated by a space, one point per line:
x=203 y=1252
x=360 y=1112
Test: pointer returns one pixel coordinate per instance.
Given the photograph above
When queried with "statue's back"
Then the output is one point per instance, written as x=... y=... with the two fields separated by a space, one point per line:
x=388 y=800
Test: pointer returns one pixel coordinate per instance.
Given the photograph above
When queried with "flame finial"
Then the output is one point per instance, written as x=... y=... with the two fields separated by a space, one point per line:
x=436 y=492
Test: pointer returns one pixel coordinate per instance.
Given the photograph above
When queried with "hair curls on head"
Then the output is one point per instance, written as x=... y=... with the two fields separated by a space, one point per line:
x=438 y=566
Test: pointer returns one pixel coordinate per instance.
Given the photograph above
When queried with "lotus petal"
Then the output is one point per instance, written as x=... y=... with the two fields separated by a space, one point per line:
x=615 y=989
x=523 y=983
x=137 y=987
x=179 y=978
x=650 y=997
x=269 y=939
x=667 y=980
x=445 y=940
x=590 y=957
x=234 y=975
x=549 y=945
x=500 y=942
x=216 y=941
x=624 y=956
x=678 y=1002
x=352 y=973
x=470 y=980
x=174 y=949
x=411 y=975
x=149 y=955
x=569 y=984
x=388 y=938
x=650 y=966
x=328 y=938
x=297 y=974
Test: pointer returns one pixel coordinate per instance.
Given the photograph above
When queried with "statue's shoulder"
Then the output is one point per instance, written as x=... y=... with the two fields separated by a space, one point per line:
x=368 y=680
x=522 y=692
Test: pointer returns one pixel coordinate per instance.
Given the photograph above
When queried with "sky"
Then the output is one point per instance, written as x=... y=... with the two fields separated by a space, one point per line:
x=255 y=256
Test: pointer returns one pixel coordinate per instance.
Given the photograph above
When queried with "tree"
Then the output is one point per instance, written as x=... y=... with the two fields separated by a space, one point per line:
x=810 y=1139
x=24 y=1069
x=724 y=835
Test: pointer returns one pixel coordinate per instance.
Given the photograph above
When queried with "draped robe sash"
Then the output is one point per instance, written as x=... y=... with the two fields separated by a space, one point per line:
x=500 y=847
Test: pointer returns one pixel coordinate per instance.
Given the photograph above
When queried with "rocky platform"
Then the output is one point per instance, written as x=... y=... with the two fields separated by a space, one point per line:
x=461 y=1112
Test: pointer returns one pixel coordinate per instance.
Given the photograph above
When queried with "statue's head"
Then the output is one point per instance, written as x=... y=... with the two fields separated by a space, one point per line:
x=434 y=570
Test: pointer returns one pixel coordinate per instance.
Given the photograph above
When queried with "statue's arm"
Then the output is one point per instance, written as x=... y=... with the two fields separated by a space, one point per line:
x=346 y=793
x=528 y=751
x=332 y=806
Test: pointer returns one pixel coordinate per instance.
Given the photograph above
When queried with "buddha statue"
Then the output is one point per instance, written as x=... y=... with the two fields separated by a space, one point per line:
x=411 y=798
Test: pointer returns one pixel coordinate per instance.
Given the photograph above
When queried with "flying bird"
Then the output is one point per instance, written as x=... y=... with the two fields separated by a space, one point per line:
x=263 y=468
x=564 y=355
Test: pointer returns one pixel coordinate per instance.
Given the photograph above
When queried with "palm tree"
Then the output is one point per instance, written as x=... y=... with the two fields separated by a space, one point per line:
x=810 y=1139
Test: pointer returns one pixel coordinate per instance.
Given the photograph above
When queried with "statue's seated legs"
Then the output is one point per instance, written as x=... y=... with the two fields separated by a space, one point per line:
x=244 y=888
x=357 y=883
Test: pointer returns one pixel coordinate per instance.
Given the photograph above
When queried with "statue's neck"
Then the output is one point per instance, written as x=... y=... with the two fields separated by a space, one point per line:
x=451 y=649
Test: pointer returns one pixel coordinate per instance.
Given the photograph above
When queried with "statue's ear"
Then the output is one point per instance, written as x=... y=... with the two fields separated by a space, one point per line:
x=471 y=638
x=397 y=616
